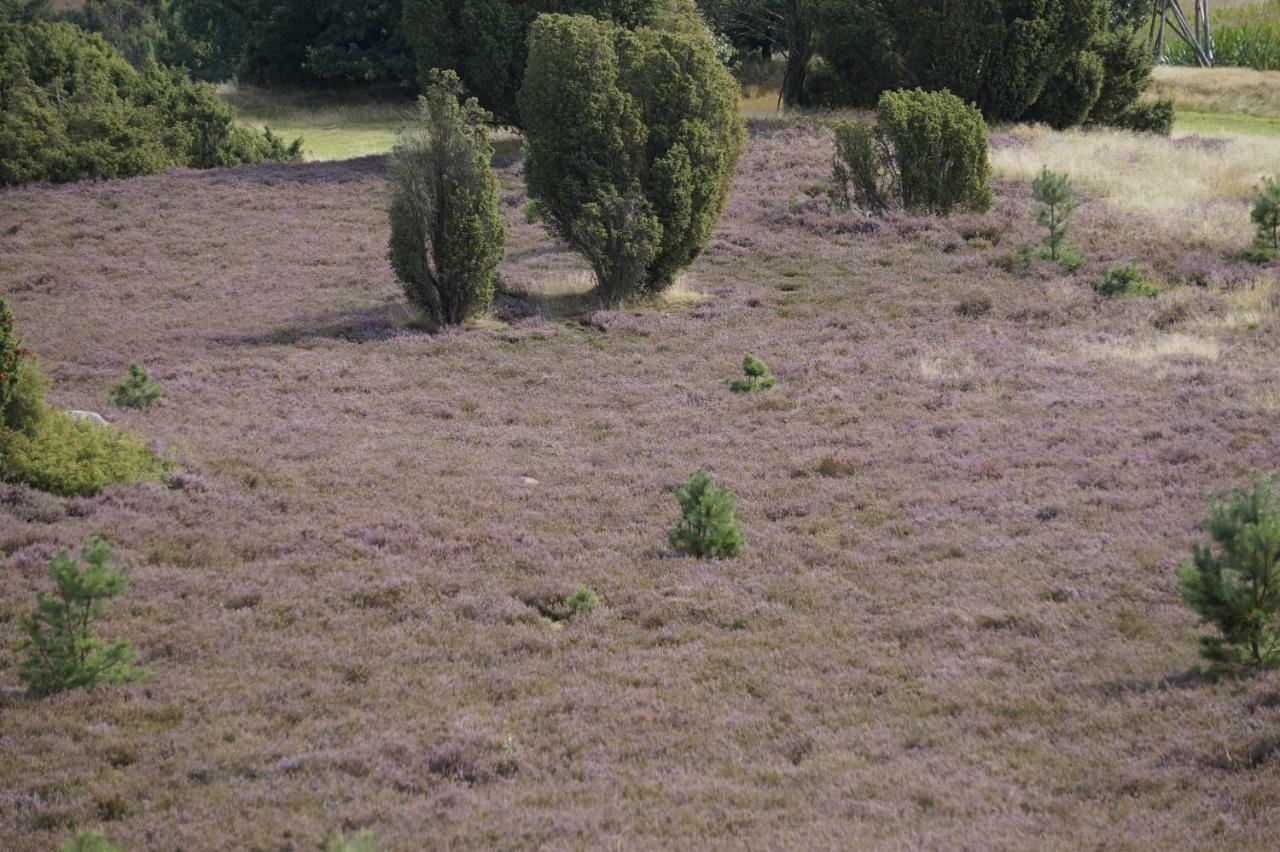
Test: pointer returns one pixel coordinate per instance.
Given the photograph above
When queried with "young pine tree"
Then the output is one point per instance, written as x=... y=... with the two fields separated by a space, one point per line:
x=63 y=651
x=446 y=233
x=1234 y=583
x=1266 y=215
x=757 y=374
x=707 y=528
x=135 y=390
x=1057 y=201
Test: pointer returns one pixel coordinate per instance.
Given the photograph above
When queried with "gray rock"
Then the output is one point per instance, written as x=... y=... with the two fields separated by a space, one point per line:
x=92 y=417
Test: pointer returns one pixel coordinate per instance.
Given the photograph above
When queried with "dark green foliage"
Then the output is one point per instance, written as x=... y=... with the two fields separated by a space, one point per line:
x=631 y=142
x=1003 y=55
x=135 y=390
x=862 y=172
x=88 y=841
x=1126 y=65
x=1234 y=582
x=73 y=109
x=486 y=41
x=927 y=153
x=1070 y=95
x=212 y=37
x=25 y=409
x=1126 y=281
x=707 y=528
x=300 y=42
x=1149 y=117
x=939 y=148
x=11 y=355
x=62 y=649
x=1056 y=202
x=446 y=233
x=758 y=377
x=1266 y=216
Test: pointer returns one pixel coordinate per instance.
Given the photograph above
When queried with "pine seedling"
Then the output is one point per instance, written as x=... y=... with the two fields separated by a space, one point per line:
x=135 y=390
x=1234 y=582
x=1057 y=202
x=63 y=650
x=1266 y=215
x=707 y=528
x=758 y=377
x=582 y=601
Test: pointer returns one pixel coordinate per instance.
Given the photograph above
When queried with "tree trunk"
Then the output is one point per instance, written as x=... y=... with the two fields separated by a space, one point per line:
x=798 y=29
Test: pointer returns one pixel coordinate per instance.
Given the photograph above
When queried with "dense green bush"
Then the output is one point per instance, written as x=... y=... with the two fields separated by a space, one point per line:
x=62 y=649
x=71 y=107
x=11 y=354
x=1149 y=117
x=135 y=390
x=631 y=142
x=1048 y=60
x=757 y=374
x=927 y=153
x=446 y=233
x=71 y=457
x=486 y=41
x=707 y=528
x=1234 y=582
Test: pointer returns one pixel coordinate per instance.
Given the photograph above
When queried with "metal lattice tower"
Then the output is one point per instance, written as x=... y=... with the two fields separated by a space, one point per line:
x=1168 y=14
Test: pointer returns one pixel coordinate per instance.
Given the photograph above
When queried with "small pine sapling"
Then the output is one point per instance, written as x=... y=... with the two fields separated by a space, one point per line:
x=1057 y=202
x=758 y=376
x=1266 y=215
x=1126 y=281
x=63 y=650
x=707 y=528
x=1234 y=583
x=136 y=389
x=582 y=601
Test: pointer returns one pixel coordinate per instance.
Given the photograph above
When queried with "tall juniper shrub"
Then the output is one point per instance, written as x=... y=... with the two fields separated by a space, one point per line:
x=1233 y=582
x=631 y=138
x=446 y=233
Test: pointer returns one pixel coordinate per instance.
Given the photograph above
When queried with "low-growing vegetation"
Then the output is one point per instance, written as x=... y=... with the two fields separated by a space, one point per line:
x=1126 y=281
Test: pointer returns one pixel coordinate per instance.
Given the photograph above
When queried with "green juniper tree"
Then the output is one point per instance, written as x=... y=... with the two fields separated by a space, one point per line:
x=63 y=650
x=1234 y=583
x=707 y=527
x=446 y=232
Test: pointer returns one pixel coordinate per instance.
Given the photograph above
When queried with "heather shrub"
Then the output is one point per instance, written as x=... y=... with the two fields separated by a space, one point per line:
x=707 y=528
x=90 y=840
x=758 y=377
x=135 y=390
x=631 y=142
x=446 y=233
x=1266 y=216
x=1126 y=281
x=63 y=651
x=1233 y=582
x=1055 y=203
x=927 y=153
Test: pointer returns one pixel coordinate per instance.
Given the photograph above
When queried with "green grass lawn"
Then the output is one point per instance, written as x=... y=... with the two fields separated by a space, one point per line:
x=1219 y=122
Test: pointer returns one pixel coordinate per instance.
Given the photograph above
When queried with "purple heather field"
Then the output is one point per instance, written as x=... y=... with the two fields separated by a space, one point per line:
x=955 y=624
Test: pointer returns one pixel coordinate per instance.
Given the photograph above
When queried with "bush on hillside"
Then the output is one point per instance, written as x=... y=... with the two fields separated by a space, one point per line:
x=446 y=233
x=1233 y=583
x=707 y=528
x=1266 y=216
x=631 y=139
x=73 y=108
x=63 y=651
x=1126 y=281
x=927 y=153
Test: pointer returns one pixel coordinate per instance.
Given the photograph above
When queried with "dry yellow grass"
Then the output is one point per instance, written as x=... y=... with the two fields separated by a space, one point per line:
x=1224 y=90
x=1158 y=348
x=1199 y=189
